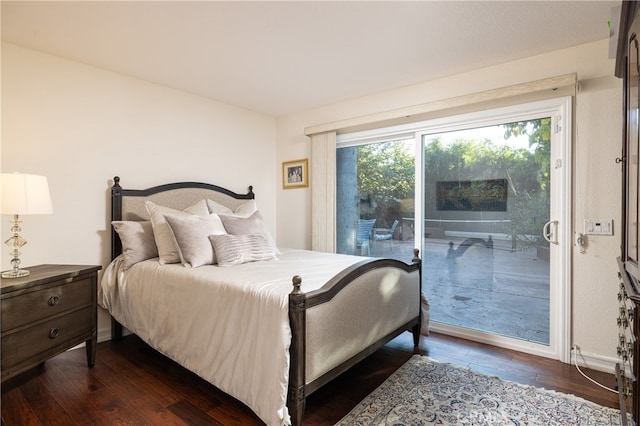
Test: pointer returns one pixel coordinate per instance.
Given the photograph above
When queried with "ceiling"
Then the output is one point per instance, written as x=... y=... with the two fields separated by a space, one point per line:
x=278 y=58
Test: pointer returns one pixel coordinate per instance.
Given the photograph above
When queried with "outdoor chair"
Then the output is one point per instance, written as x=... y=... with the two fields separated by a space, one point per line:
x=363 y=235
x=385 y=234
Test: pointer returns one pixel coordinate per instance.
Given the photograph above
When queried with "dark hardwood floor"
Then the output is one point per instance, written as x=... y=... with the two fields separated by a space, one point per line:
x=132 y=384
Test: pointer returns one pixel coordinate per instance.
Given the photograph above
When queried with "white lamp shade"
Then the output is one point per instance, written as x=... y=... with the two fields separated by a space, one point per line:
x=25 y=194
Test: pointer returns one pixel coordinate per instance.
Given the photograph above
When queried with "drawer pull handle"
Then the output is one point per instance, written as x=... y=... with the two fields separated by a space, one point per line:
x=53 y=333
x=53 y=300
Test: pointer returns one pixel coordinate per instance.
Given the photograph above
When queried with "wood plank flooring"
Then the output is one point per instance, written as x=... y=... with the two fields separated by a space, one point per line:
x=132 y=384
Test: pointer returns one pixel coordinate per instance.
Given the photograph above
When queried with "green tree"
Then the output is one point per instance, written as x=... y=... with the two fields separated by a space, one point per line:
x=386 y=174
x=539 y=133
x=469 y=159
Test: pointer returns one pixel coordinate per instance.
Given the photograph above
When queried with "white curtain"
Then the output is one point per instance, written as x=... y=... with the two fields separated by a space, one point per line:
x=323 y=192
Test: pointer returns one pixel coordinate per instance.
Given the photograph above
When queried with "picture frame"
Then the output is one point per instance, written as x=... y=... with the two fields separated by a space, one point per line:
x=295 y=174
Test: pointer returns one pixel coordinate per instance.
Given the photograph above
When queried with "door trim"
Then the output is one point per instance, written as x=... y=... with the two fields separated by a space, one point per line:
x=563 y=130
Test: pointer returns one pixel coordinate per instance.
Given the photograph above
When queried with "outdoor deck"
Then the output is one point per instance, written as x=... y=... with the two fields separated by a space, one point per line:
x=500 y=291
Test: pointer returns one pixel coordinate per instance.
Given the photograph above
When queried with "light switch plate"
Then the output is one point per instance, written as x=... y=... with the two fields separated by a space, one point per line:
x=598 y=226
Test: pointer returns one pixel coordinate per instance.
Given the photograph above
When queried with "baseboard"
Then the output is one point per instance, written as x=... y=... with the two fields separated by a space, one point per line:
x=104 y=334
x=594 y=361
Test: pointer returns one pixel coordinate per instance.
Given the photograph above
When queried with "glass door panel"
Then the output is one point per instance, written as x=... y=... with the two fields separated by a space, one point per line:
x=486 y=195
x=375 y=199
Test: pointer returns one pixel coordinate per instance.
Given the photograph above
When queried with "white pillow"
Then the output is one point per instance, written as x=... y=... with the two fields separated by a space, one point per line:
x=244 y=209
x=137 y=241
x=254 y=224
x=192 y=237
x=167 y=248
x=238 y=249
x=217 y=208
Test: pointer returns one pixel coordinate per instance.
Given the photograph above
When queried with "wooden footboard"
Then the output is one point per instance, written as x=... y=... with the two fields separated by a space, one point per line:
x=392 y=279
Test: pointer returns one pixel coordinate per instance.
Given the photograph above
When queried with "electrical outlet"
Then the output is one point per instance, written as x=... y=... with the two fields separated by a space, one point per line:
x=598 y=226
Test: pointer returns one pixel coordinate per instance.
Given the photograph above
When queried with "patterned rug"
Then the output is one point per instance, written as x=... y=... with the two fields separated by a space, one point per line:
x=426 y=392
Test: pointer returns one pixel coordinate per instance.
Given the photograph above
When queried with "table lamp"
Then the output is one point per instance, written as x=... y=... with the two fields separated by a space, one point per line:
x=22 y=194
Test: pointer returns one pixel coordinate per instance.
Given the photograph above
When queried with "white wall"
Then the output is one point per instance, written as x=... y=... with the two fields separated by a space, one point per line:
x=596 y=180
x=79 y=126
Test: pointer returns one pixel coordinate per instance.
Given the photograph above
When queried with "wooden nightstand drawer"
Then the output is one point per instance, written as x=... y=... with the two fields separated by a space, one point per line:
x=39 y=304
x=45 y=338
x=52 y=309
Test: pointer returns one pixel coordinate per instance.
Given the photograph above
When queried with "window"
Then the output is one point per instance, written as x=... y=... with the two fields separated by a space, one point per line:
x=375 y=198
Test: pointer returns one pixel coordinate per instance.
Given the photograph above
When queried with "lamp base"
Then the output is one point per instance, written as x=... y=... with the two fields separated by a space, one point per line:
x=15 y=243
x=15 y=273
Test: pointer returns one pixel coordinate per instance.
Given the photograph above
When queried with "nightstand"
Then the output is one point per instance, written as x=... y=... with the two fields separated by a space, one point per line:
x=46 y=313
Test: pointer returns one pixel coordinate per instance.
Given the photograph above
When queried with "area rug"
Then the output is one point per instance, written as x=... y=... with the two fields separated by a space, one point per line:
x=426 y=392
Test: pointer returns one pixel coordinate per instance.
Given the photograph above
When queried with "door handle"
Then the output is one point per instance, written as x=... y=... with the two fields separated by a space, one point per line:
x=550 y=234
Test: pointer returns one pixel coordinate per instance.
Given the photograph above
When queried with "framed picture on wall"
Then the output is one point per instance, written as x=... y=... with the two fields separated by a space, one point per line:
x=295 y=174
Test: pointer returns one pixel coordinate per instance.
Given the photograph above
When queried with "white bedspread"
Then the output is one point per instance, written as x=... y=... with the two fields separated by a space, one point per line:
x=228 y=325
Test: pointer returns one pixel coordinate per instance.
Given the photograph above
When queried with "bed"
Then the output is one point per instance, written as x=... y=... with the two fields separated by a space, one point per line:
x=267 y=325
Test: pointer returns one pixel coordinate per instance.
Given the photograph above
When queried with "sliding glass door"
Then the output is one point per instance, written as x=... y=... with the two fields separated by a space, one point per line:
x=486 y=198
x=486 y=202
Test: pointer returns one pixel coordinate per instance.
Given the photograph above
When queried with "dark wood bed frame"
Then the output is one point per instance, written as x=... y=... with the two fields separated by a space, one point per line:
x=299 y=301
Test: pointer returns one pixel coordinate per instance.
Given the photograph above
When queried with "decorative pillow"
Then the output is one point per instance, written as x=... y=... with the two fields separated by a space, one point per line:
x=192 y=237
x=244 y=209
x=137 y=240
x=217 y=208
x=238 y=249
x=167 y=248
x=254 y=224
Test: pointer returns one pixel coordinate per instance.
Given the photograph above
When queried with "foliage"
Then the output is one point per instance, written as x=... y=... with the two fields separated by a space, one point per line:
x=527 y=171
x=386 y=175
x=539 y=132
